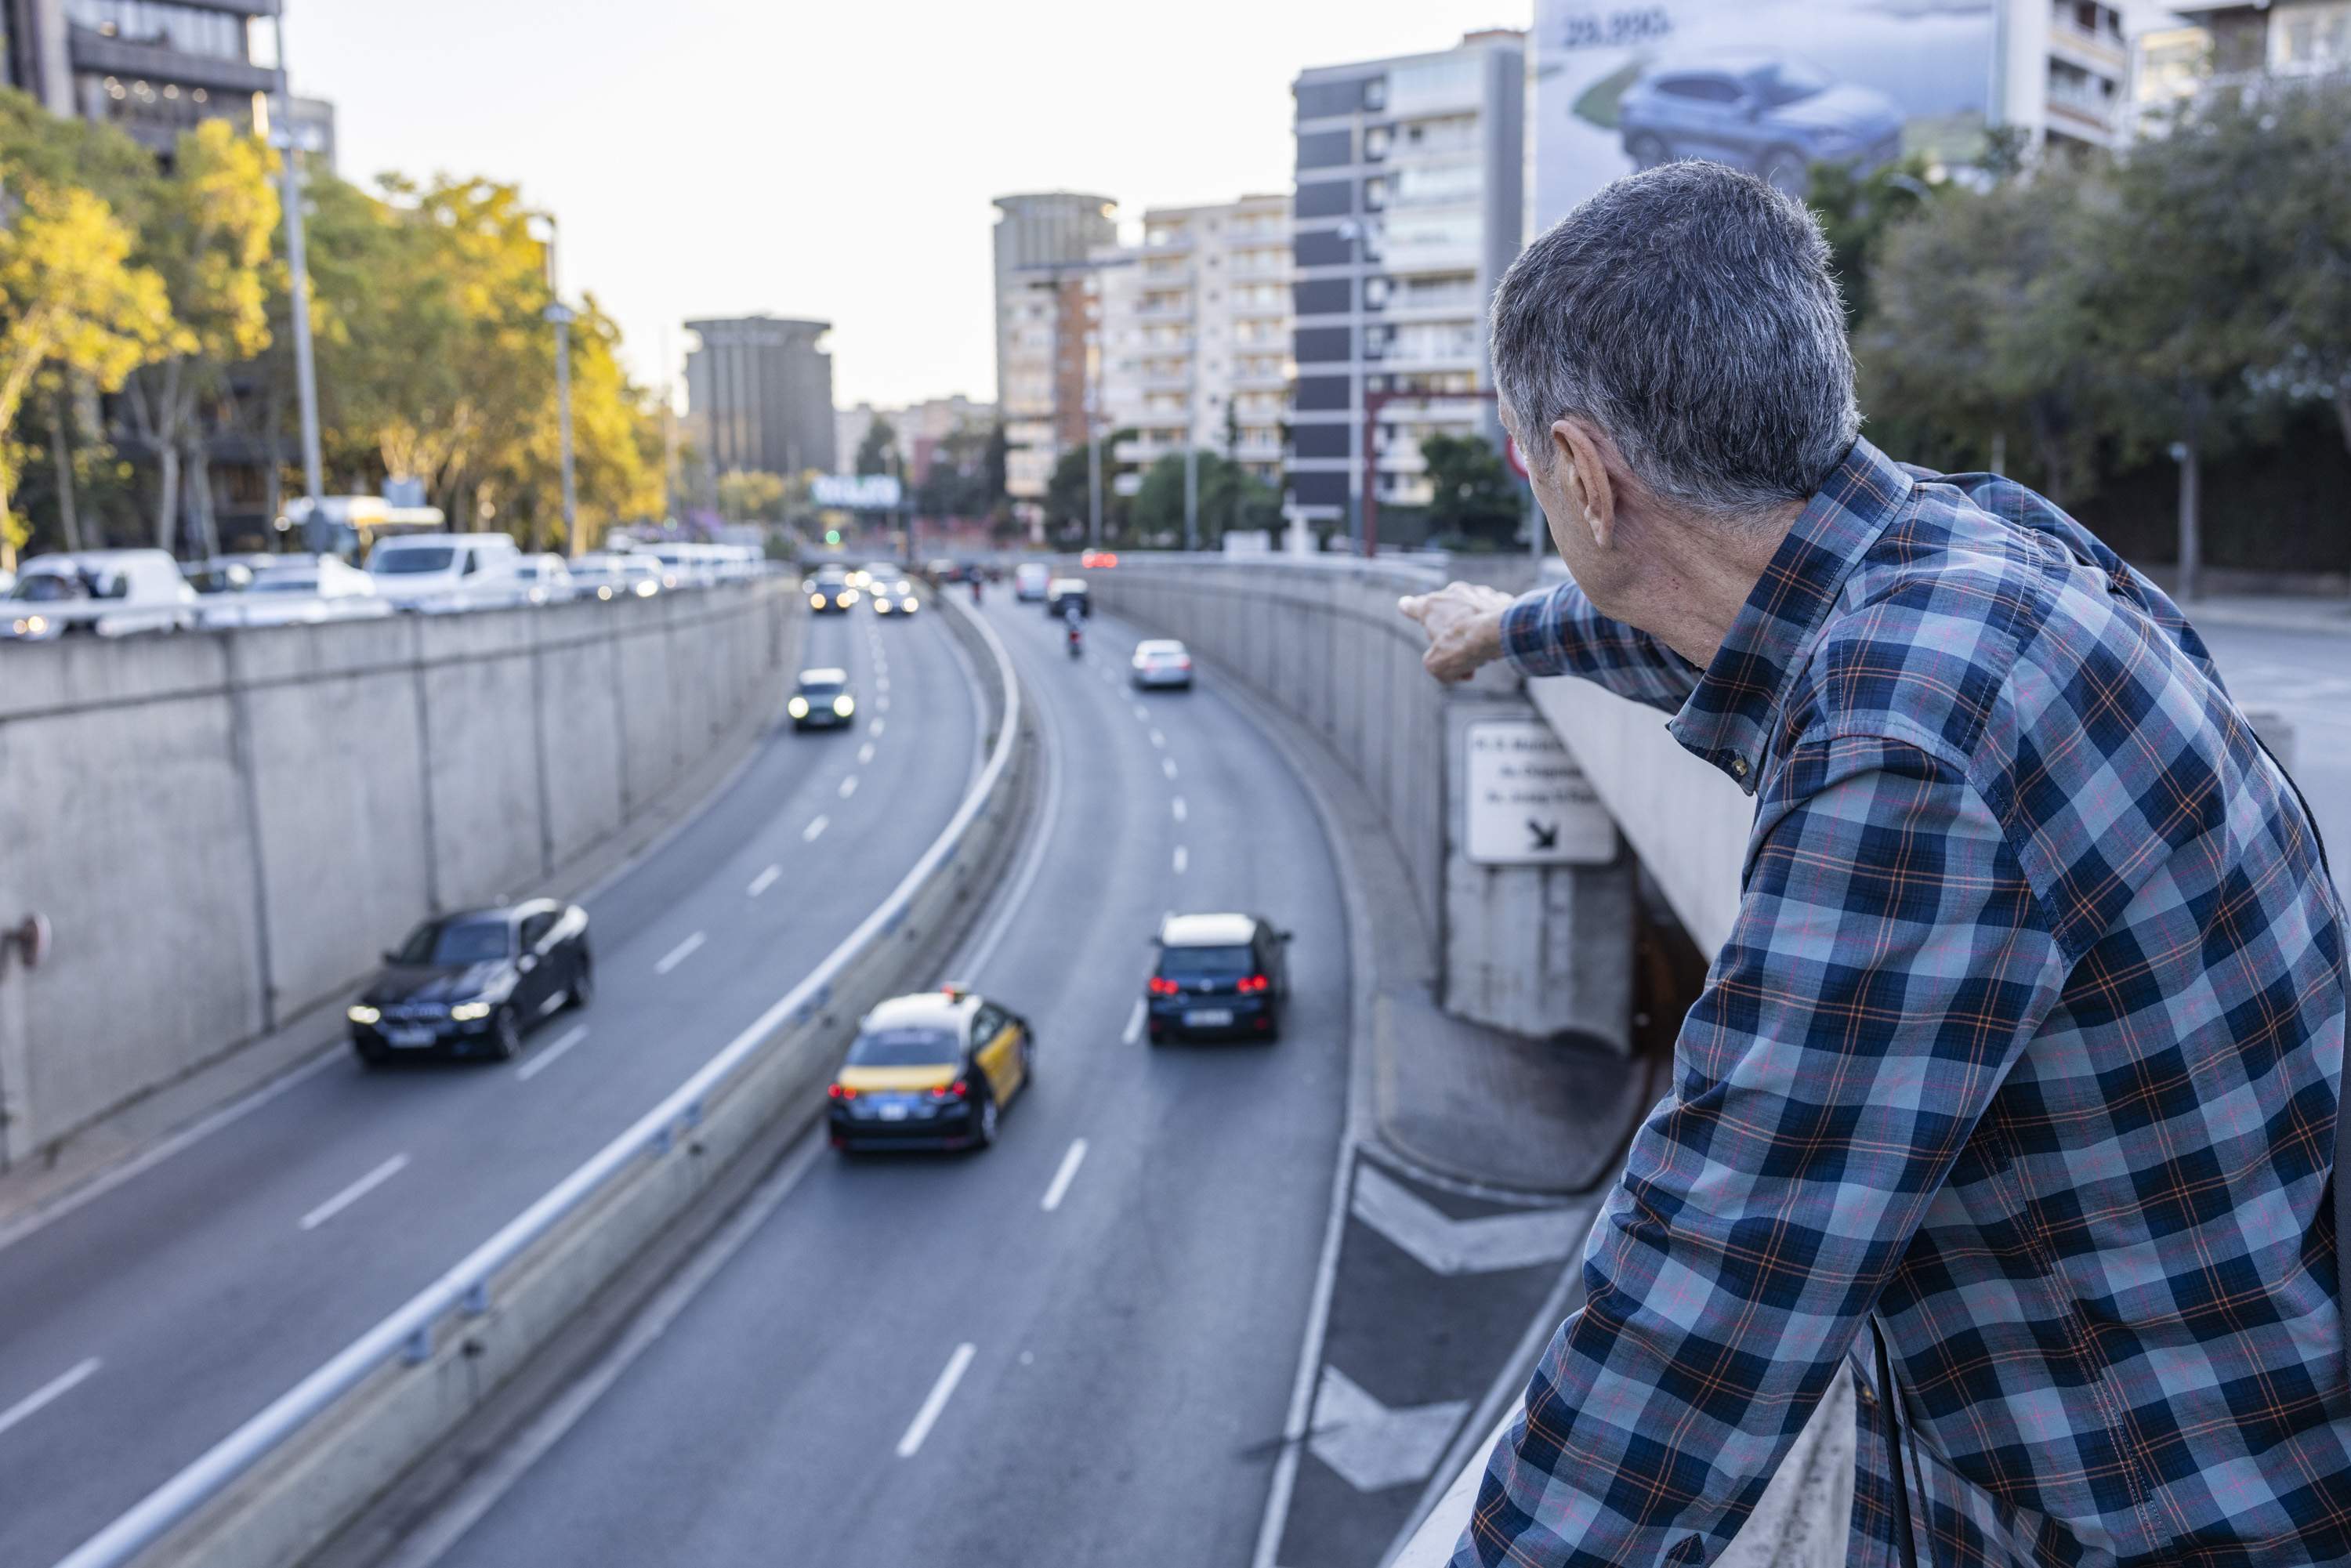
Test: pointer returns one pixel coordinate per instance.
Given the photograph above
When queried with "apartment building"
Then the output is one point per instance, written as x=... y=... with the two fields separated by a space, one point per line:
x=758 y=394
x=920 y=428
x=1194 y=329
x=2062 y=70
x=1045 y=243
x=1408 y=208
x=2238 y=40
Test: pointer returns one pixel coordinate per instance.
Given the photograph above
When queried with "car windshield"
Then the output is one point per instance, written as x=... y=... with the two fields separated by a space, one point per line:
x=397 y=562
x=905 y=1048
x=48 y=588
x=286 y=582
x=1208 y=963
x=1787 y=82
x=452 y=943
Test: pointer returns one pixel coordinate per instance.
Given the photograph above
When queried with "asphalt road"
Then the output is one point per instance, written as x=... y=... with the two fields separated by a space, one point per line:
x=141 y=1328
x=2306 y=675
x=1030 y=1355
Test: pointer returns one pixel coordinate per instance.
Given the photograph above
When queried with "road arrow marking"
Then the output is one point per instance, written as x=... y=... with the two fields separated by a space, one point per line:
x=1371 y=1446
x=1482 y=1246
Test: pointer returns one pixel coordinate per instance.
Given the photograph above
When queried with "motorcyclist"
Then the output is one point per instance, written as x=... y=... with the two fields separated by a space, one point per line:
x=975 y=588
x=1075 y=622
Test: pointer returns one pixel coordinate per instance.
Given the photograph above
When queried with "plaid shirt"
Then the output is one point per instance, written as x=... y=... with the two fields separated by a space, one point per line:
x=2027 y=1038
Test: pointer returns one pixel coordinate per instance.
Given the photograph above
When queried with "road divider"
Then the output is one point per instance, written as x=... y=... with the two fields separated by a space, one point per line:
x=279 y=1485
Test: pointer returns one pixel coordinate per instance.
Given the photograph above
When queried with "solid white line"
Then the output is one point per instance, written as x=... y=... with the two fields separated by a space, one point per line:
x=865 y=753
x=679 y=954
x=941 y=1392
x=848 y=786
x=875 y=728
x=809 y=834
x=1183 y=859
x=1133 y=1023
x=766 y=879
x=100 y=1185
x=55 y=1389
x=355 y=1191
x=1167 y=766
x=1062 y=1177
x=1178 y=806
x=542 y=1060
x=1157 y=738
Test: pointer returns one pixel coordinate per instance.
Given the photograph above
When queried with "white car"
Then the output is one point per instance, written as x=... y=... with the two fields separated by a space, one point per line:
x=297 y=590
x=108 y=592
x=1161 y=661
x=447 y=571
x=545 y=580
x=1030 y=579
x=607 y=575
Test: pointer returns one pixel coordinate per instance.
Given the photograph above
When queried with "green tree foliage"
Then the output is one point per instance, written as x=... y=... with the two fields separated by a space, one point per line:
x=750 y=495
x=956 y=484
x=878 y=452
x=1231 y=497
x=1474 y=498
x=1068 y=502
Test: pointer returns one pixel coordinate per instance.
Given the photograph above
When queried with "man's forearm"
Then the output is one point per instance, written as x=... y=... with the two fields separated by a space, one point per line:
x=1556 y=632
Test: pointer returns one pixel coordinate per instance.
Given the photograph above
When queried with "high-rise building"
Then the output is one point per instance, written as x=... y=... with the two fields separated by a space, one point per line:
x=1194 y=333
x=153 y=68
x=2063 y=69
x=1045 y=243
x=920 y=427
x=1409 y=206
x=758 y=394
x=2238 y=41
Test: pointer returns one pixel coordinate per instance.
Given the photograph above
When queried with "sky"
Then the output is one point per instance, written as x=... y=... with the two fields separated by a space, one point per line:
x=832 y=158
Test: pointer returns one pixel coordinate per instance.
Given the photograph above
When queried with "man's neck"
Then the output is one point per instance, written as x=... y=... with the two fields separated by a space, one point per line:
x=1704 y=573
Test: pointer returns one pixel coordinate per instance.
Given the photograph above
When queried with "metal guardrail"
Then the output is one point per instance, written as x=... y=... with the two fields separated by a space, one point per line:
x=407 y=1334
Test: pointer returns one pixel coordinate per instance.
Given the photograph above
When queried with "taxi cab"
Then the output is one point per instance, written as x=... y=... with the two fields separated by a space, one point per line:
x=931 y=1071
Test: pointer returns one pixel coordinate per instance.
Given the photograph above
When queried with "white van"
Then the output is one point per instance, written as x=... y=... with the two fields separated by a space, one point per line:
x=109 y=593
x=1030 y=579
x=448 y=572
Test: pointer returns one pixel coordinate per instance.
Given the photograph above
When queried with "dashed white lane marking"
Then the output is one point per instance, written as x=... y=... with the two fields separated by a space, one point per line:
x=1183 y=859
x=875 y=728
x=881 y=683
x=809 y=834
x=848 y=786
x=767 y=878
x=1178 y=806
x=865 y=753
x=49 y=1392
x=1133 y=1023
x=882 y=702
x=1167 y=766
x=1157 y=738
x=1142 y=714
x=1062 y=1177
x=679 y=954
x=540 y=1061
x=941 y=1392
x=355 y=1191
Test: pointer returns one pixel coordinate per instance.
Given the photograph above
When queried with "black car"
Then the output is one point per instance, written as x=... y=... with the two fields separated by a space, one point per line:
x=830 y=592
x=470 y=984
x=1218 y=974
x=1062 y=593
x=821 y=700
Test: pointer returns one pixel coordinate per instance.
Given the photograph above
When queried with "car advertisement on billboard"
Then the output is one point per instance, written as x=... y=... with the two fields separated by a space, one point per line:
x=1773 y=85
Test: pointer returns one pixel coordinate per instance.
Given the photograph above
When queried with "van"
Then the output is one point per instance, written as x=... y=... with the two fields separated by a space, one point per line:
x=1030 y=579
x=105 y=592
x=440 y=572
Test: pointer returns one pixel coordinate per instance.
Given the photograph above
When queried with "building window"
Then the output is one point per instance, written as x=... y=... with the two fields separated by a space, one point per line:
x=2310 y=38
x=214 y=35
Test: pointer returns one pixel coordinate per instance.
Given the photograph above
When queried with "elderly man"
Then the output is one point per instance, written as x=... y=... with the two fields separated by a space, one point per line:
x=2016 y=1081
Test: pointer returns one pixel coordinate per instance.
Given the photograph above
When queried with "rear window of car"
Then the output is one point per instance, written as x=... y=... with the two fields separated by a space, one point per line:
x=1206 y=963
x=456 y=942
x=397 y=562
x=819 y=688
x=905 y=1048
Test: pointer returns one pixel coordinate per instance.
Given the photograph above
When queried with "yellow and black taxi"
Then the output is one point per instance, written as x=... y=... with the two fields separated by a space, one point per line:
x=931 y=1071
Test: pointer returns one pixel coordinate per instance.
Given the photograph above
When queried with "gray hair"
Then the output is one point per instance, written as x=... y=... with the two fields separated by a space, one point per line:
x=1688 y=311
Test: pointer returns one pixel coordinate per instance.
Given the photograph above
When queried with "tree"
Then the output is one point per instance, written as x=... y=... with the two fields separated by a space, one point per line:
x=956 y=483
x=878 y=452
x=1473 y=496
x=1069 y=493
x=1857 y=211
x=750 y=495
x=206 y=234
x=1230 y=498
x=69 y=298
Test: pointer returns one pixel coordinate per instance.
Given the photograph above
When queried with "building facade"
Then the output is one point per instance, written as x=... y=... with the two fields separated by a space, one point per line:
x=1410 y=206
x=2064 y=68
x=1045 y=243
x=1193 y=334
x=758 y=394
x=152 y=67
x=2238 y=41
x=920 y=427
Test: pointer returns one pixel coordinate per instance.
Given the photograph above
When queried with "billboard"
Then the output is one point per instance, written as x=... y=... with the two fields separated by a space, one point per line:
x=857 y=492
x=1773 y=85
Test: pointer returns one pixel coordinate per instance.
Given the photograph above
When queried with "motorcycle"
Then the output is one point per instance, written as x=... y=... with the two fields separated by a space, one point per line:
x=1077 y=640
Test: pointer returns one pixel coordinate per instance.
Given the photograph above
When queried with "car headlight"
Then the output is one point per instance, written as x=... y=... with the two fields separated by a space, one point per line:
x=797 y=707
x=362 y=1013
x=604 y=592
x=807 y=585
x=816 y=601
x=881 y=607
x=844 y=704
x=847 y=596
x=647 y=589
x=907 y=604
x=466 y=1013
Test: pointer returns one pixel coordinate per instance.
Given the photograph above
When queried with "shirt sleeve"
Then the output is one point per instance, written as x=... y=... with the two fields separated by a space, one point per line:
x=1556 y=632
x=1889 y=961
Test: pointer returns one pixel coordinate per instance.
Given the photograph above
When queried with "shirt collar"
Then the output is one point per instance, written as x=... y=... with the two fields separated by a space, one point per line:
x=1729 y=718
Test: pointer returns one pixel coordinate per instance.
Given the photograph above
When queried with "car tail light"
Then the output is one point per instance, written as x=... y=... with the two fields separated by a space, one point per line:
x=1184 y=663
x=1252 y=984
x=842 y=1092
x=954 y=1091
x=1161 y=986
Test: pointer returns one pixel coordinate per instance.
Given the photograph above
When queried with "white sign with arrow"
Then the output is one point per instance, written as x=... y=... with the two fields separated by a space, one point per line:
x=1529 y=804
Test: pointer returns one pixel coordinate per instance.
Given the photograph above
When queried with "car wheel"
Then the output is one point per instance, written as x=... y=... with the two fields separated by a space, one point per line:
x=1786 y=169
x=984 y=1131
x=1648 y=150
x=583 y=985
x=505 y=1035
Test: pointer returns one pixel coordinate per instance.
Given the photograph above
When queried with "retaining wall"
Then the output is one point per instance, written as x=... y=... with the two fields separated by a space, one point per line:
x=225 y=829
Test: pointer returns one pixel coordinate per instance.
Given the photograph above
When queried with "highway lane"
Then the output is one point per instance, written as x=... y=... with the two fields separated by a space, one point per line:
x=209 y=1285
x=1040 y=1354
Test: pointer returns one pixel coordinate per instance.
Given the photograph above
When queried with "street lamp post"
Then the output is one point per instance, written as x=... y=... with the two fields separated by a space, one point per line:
x=560 y=314
x=305 y=377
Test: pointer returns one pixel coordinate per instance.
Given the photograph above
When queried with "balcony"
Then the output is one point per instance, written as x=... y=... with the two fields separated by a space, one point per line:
x=2100 y=51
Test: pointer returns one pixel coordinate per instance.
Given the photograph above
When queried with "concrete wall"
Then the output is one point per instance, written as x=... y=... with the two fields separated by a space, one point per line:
x=225 y=829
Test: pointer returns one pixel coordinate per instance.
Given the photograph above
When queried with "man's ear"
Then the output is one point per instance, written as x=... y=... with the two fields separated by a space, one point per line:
x=1588 y=485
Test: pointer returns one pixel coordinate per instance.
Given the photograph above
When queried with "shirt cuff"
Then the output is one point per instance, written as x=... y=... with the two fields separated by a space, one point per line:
x=1526 y=642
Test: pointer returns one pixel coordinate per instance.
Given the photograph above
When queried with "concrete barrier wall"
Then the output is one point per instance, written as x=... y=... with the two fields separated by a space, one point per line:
x=224 y=830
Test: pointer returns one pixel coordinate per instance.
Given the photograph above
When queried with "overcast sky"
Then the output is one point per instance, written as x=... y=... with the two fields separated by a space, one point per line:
x=832 y=158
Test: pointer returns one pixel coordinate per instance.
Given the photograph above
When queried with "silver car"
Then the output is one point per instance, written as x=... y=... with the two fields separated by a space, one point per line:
x=1161 y=661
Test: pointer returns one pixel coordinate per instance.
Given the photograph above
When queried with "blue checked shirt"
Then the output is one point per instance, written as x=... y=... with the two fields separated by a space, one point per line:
x=2027 y=1038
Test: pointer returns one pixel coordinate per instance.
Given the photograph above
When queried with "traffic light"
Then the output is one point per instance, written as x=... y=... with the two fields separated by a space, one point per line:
x=832 y=536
